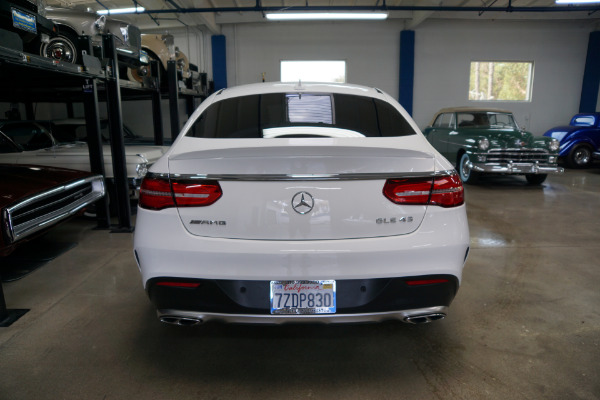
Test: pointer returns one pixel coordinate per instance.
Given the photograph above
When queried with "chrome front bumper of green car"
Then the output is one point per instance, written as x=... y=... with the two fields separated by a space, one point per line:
x=515 y=161
x=516 y=168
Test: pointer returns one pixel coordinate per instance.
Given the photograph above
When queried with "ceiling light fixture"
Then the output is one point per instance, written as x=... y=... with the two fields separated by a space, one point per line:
x=577 y=1
x=292 y=16
x=130 y=10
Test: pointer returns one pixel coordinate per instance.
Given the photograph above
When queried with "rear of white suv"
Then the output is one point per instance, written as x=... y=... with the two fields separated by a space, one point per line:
x=292 y=203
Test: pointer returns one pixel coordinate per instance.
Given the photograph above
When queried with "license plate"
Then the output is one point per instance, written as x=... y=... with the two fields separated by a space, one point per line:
x=23 y=20
x=303 y=297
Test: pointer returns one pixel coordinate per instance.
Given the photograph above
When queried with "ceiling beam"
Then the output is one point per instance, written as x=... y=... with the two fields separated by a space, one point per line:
x=420 y=16
x=512 y=9
x=208 y=19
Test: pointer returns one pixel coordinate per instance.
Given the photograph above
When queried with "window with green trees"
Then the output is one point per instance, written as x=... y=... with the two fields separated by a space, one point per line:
x=500 y=81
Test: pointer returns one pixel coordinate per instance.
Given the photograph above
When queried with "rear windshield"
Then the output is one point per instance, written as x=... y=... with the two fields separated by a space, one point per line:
x=300 y=115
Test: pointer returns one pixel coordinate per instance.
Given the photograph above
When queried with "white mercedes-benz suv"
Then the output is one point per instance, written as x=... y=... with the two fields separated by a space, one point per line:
x=283 y=202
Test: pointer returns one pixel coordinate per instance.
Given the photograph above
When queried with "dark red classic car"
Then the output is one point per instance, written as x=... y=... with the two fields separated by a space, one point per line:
x=34 y=199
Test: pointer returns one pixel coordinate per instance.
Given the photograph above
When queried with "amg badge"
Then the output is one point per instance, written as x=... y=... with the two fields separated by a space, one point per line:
x=393 y=220
x=207 y=222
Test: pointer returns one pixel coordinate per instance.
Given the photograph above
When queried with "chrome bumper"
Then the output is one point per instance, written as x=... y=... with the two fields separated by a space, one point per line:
x=596 y=155
x=180 y=317
x=515 y=168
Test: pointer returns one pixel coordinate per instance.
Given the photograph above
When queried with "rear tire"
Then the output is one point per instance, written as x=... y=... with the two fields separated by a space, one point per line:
x=580 y=156
x=466 y=174
x=535 y=179
x=62 y=48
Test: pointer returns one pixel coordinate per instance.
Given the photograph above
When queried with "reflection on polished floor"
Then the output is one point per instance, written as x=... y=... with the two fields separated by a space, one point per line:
x=524 y=325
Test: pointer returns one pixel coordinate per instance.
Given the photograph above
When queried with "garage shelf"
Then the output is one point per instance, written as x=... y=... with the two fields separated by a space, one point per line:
x=28 y=78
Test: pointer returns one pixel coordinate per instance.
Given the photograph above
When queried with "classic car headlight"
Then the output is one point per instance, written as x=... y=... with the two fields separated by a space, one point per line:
x=554 y=145
x=483 y=144
x=141 y=169
x=100 y=23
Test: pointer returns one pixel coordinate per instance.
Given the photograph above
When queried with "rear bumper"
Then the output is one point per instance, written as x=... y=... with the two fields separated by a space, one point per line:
x=415 y=316
x=164 y=248
x=235 y=274
x=516 y=168
x=357 y=299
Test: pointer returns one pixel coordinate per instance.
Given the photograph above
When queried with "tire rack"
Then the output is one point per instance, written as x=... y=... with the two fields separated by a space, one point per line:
x=174 y=93
x=27 y=78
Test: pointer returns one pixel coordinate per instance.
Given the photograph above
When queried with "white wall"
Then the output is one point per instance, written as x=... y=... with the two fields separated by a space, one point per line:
x=443 y=52
x=370 y=49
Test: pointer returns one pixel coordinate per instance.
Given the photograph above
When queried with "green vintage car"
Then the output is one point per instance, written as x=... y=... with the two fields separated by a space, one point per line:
x=489 y=141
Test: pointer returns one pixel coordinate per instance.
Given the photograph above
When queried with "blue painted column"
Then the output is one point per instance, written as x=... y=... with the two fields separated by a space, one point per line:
x=591 y=75
x=219 y=62
x=407 y=70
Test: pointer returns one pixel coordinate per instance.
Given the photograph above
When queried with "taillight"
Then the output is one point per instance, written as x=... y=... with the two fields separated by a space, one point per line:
x=157 y=193
x=447 y=191
x=413 y=191
x=443 y=191
x=196 y=193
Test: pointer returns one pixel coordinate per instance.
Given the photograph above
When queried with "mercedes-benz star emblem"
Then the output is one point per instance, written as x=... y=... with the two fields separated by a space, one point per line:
x=303 y=202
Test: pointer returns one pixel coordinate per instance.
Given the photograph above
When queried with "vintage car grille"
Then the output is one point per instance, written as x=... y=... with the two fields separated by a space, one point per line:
x=34 y=213
x=515 y=155
x=25 y=4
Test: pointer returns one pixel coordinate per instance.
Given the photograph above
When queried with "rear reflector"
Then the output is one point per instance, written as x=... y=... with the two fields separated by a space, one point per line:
x=421 y=282
x=179 y=284
x=443 y=191
x=157 y=193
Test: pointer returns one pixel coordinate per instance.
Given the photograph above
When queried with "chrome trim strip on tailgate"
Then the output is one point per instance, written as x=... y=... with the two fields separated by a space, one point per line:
x=306 y=177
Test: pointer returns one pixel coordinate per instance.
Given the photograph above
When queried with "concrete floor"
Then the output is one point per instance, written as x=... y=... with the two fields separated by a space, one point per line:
x=523 y=326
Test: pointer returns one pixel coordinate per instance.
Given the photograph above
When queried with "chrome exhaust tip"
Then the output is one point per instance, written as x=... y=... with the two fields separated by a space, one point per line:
x=424 y=318
x=181 y=321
